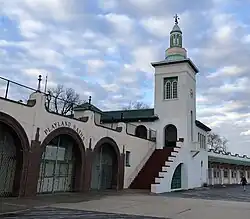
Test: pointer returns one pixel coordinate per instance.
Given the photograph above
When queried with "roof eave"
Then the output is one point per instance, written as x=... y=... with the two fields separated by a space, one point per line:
x=162 y=63
x=202 y=126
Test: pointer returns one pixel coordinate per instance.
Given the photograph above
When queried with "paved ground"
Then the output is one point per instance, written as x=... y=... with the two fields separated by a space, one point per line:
x=55 y=213
x=231 y=193
x=223 y=203
x=19 y=204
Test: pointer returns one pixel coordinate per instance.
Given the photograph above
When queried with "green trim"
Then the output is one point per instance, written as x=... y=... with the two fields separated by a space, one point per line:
x=129 y=115
x=228 y=160
x=146 y=119
x=87 y=106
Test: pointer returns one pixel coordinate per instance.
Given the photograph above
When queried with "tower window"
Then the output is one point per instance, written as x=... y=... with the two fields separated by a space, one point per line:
x=170 y=88
x=174 y=84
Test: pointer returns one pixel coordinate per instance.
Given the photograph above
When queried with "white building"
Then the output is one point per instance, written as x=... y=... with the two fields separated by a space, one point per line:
x=162 y=149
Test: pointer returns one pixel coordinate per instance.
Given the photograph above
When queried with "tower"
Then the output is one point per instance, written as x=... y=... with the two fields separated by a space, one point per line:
x=175 y=91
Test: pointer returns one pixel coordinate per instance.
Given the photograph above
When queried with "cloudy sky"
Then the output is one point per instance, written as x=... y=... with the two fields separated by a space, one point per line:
x=104 y=48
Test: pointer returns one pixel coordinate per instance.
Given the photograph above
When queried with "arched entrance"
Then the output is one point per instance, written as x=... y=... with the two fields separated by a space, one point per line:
x=176 y=180
x=105 y=165
x=61 y=168
x=13 y=145
x=170 y=135
x=141 y=131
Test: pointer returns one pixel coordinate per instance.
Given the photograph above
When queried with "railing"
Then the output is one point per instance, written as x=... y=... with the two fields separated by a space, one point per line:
x=14 y=91
x=141 y=131
x=111 y=125
x=60 y=106
x=20 y=93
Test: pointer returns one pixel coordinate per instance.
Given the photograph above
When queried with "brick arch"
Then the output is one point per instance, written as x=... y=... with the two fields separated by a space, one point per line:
x=22 y=149
x=119 y=164
x=109 y=141
x=79 y=152
x=64 y=131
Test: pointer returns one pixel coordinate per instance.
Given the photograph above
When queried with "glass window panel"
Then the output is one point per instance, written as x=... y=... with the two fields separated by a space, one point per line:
x=175 y=89
x=49 y=169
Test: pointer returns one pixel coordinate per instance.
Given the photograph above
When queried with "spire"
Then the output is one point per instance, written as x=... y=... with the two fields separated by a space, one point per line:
x=175 y=51
x=176 y=34
x=176 y=18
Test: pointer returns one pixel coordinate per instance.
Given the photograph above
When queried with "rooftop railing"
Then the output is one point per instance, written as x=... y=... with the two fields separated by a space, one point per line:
x=15 y=91
x=20 y=93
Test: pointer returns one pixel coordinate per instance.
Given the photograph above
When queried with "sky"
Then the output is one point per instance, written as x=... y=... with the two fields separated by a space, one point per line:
x=104 y=48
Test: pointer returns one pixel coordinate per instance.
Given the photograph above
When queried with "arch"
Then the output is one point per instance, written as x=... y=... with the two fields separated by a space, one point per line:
x=75 y=164
x=176 y=182
x=175 y=89
x=168 y=90
x=141 y=132
x=22 y=147
x=170 y=134
x=106 y=173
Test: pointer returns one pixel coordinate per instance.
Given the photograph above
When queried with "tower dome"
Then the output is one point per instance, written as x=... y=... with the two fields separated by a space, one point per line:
x=175 y=52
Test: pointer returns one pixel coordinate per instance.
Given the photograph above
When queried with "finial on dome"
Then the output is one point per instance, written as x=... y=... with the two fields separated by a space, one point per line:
x=176 y=18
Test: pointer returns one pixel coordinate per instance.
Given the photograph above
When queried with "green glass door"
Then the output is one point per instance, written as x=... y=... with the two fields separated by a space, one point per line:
x=176 y=180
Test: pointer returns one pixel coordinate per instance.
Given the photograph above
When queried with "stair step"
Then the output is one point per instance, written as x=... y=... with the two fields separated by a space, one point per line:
x=174 y=153
x=158 y=180
x=167 y=163
x=165 y=168
x=171 y=158
x=154 y=187
x=162 y=174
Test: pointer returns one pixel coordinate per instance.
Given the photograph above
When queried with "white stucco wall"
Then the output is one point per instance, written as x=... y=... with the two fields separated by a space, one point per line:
x=175 y=111
x=197 y=172
x=35 y=117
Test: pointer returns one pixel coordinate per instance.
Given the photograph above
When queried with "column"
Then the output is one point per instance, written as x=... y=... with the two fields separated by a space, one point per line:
x=237 y=175
x=221 y=176
x=212 y=176
x=229 y=175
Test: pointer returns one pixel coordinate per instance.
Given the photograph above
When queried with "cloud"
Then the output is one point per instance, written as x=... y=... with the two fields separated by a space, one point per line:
x=104 y=49
x=227 y=71
x=245 y=133
x=123 y=24
x=155 y=26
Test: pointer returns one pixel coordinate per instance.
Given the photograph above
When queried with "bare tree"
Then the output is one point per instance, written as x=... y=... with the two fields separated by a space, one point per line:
x=216 y=142
x=63 y=100
x=136 y=105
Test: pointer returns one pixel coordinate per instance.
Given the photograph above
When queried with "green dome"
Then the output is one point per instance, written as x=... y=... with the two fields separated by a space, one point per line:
x=176 y=28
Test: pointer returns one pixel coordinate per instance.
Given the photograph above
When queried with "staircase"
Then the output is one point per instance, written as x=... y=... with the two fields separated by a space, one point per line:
x=155 y=164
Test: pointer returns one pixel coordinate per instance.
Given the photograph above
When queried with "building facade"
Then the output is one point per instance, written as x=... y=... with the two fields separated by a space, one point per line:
x=161 y=149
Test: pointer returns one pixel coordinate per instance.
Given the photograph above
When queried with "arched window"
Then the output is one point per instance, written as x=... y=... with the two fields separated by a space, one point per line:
x=174 y=86
x=168 y=90
x=175 y=40
x=180 y=38
x=176 y=182
x=171 y=40
x=141 y=131
x=170 y=136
